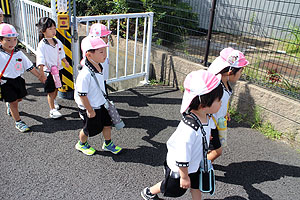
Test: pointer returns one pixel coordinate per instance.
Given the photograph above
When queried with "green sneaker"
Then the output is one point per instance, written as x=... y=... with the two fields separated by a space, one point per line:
x=86 y=148
x=111 y=147
x=22 y=127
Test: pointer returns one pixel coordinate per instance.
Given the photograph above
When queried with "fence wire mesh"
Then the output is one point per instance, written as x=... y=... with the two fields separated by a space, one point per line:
x=266 y=31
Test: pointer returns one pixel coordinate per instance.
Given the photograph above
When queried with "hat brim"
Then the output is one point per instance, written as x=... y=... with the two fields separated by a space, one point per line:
x=105 y=33
x=218 y=65
x=188 y=96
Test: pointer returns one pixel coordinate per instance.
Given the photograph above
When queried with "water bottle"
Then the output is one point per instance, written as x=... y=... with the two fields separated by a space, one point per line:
x=55 y=74
x=222 y=128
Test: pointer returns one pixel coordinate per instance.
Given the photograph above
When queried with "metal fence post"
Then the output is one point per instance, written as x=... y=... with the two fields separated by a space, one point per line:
x=24 y=21
x=149 y=40
x=211 y=22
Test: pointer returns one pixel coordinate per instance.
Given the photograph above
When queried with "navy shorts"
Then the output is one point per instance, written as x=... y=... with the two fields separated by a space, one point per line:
x=170 y=186
x=215 y=141
x=13 y=89
x=94 y=126
x=49 y=85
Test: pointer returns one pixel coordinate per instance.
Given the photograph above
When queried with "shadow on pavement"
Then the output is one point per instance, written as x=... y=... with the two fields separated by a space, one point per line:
x=255 y=172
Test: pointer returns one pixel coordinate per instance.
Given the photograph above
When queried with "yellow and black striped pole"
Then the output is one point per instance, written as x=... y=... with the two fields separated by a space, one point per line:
x=67 y=89
x=5 y=7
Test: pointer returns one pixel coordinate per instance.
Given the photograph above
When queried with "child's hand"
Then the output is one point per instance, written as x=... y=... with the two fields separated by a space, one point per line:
x=42 y=78
x=67 y=64
x=228 y=117
x=91 y=113
x=185 y=182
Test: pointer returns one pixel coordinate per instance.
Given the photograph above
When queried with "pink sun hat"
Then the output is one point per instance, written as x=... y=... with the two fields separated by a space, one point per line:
x=198 y=83
x=99 y=30
x=7 y=30
x=89 y=43
x=229 y=57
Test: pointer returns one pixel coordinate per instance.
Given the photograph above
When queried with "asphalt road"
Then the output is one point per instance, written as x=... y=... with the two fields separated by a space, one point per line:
x=43 y=164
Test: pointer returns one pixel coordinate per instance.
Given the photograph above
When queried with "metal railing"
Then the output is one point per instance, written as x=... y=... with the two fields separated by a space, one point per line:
x=132 y=36
x=25 y=16
x=267 y=31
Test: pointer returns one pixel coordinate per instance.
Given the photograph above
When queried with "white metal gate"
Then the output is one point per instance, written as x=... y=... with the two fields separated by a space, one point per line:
x=132 y=35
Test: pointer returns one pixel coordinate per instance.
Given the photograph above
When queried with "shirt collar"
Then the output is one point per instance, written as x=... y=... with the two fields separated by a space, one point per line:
x=91 y=66
x=15 y=50
x=47 y=42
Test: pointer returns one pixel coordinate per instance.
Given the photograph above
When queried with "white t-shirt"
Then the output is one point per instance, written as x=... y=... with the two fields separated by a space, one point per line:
x=49 y=55
x=185 y=146
x=224 y=106
x=86 y=86
x=18 y=64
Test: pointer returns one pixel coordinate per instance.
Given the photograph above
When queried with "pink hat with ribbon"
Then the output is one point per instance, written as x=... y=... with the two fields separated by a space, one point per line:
x=89 y=43
x=229 y=57
x=99 y=30
x=198 y=83
x=7 y=30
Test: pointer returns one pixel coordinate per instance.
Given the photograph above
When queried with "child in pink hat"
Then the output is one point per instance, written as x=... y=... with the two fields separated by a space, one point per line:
x=202 y=97
x=230 y=65
x=90 y=99
x=13 y=65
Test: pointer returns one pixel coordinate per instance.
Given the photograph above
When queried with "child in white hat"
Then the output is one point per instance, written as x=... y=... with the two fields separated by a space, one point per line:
x=230 y=65
x=202 y=97
x=13 y=65
x=90 y=99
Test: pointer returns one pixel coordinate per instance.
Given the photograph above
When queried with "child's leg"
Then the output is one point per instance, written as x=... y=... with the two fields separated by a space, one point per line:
x=51 y=97
x=214 y=154
x=15 y=110
x=82 y=137
x=106 y=132
x=155 y=189
x=196 y=194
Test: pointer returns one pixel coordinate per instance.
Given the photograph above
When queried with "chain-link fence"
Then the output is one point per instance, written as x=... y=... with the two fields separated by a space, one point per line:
x=267 y=31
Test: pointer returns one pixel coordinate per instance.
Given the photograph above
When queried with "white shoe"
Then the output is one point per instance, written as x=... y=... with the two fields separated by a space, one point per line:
x=56 y=105
x=54 y=114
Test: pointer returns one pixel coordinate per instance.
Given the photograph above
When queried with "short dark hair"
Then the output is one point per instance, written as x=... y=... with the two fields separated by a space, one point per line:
x=91 y=50
x=43 y=24
x=1 y=37
x=207 y=99
x=234 y=70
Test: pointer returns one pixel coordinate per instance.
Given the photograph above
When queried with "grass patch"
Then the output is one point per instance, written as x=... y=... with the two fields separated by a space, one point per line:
x=155 y=82
x=256 y=122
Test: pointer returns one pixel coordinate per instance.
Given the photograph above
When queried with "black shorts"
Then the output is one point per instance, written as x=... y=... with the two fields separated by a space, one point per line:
x=49 y=85
x=13 y=89
x=170 y=186
x=215 y=141
x=94 y=126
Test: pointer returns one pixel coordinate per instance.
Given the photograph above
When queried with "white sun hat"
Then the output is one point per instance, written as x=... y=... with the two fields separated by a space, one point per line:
x=229 y=57
x=198 y=83
x=7 y=30
x=99 y=30
x=89 y=43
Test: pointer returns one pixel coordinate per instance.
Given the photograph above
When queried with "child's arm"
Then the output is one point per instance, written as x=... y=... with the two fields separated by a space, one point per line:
x=43 y=77
x=66 y=62
x=185 y=181
x=37 y=74
x=90 y=111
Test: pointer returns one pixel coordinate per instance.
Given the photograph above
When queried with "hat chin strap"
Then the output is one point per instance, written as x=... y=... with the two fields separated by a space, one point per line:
x=93 y=61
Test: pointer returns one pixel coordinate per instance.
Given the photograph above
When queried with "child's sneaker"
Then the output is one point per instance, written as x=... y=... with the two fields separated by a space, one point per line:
x=56 y=105
x=146 y=194
x=86 y=148
x=111 y=147
x=21 y=126
x=8 y=109
x=54 y=114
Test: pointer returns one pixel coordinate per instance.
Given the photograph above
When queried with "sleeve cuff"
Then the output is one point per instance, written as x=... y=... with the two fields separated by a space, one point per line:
x=30 y=68
x=82 y=94
x=182 y=164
